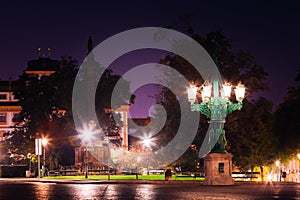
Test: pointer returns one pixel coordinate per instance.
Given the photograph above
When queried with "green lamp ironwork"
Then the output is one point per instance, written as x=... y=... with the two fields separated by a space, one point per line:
x=216 y=107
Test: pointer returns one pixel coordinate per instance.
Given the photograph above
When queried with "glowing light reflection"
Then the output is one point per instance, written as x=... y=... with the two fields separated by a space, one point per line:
x=145 y=192
x=85 y=191
x=42 y=190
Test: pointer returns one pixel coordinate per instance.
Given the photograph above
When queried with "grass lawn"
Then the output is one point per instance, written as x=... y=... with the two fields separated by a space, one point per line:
x=125 y=177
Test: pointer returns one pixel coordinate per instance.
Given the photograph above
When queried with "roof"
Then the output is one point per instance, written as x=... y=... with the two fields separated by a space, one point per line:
x=43 y=64
x=140 y=121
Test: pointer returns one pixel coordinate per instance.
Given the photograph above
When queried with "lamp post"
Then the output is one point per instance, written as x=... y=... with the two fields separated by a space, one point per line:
x=147 y=143
x=216 y=108
x=216 y=105
x=86 y=163
x=86 y=135
x=44 y=143
x=108 y=156
x=298 y=156
x=277 y=163
x=138 y=159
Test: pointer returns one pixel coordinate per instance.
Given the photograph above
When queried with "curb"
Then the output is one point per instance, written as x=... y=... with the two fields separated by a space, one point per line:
x=91 y=181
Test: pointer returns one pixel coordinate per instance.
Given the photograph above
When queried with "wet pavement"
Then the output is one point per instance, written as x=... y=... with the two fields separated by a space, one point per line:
x=146 y=190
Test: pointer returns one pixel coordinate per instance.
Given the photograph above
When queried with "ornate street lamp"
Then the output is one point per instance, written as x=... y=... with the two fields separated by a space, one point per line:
x=216 y=105
x=44 y=143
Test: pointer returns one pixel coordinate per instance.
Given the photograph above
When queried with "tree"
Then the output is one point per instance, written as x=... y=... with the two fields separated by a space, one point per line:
x=254 y=143
x=287 y=122
x=234 y=67
x=47 y=108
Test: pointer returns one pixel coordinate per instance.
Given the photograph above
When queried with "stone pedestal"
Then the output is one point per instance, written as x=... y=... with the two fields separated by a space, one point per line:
x=218 y=168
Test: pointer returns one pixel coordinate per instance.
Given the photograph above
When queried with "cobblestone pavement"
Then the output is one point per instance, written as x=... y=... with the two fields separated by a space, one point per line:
x=146 y=190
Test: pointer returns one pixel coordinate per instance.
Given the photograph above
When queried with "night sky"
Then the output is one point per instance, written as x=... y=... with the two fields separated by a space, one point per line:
x=269 y=31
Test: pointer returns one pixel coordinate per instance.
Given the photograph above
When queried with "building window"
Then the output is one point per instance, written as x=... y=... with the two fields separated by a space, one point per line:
x=3 y=96
x=2 y=118
x=17 y=117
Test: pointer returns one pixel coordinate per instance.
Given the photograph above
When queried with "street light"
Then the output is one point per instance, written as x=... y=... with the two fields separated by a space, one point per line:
x=138 y=159
x=44 y=143
x=86 y=135
x=277 y=163
x=147 y=141
x=106 y=138
x=216 y=106
x=298 y=156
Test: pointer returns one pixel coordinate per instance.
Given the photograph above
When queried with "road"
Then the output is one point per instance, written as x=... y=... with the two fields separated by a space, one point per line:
x=145 y=191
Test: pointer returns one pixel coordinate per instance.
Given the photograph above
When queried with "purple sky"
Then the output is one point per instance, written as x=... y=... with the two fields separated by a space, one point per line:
x=268 y=30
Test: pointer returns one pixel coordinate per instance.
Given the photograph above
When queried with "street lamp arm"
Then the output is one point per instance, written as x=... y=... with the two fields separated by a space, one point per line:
x=234 y=106
x=202 y=108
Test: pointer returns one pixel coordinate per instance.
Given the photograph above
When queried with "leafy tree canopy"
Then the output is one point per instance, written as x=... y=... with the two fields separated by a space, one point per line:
x=234 y=67
x=47 y=109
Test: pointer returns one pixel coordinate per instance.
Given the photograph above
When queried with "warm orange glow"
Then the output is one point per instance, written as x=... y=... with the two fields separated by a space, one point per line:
x=44 y=142
x=240 y=92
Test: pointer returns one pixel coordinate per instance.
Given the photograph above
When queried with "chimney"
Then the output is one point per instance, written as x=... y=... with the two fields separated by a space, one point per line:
x=39 y=52
x=48 y=52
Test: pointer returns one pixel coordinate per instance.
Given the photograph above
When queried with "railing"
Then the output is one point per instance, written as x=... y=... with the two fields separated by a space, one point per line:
x=67 y=172
x=245 y=176
x=194 y=175
x=101 y=171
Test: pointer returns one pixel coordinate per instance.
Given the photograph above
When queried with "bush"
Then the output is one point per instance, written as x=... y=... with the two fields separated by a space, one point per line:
x=7 y=171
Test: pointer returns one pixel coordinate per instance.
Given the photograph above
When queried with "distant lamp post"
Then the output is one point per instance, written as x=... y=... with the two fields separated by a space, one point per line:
x=277 y=163
x=138 y=160
x=298 y=156
x=147 y=142
x=86 y=135
x=44 y=143
x=106 y=138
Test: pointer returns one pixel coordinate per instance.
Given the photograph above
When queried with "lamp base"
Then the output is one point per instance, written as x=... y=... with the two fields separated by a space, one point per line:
x=218 y=169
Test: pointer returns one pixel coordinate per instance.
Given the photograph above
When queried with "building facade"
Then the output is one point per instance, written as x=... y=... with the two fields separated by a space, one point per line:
x=9 y=108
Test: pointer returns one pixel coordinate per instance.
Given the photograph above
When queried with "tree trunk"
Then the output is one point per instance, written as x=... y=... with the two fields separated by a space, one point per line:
x=262 y=175
x=252 y=168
